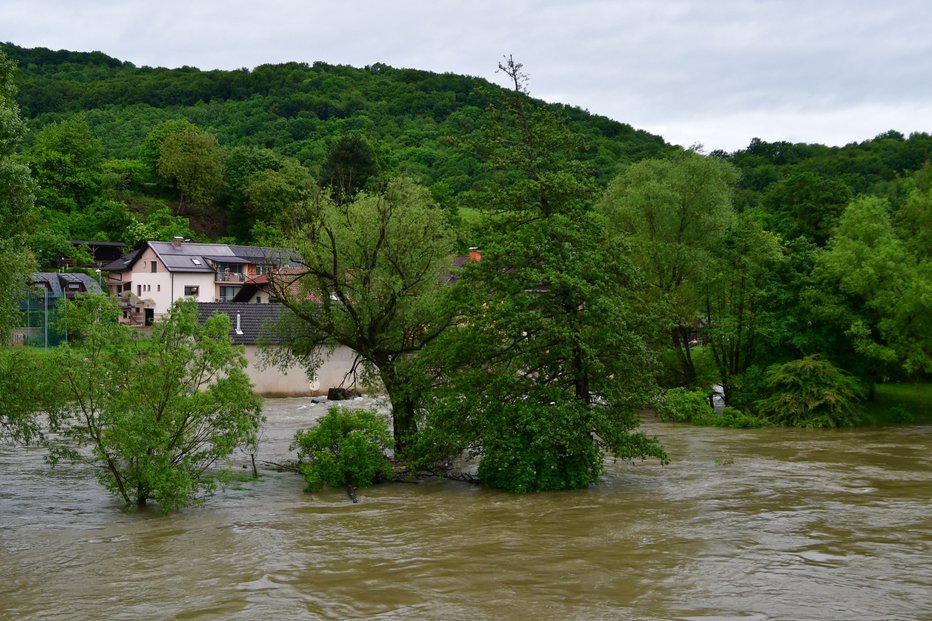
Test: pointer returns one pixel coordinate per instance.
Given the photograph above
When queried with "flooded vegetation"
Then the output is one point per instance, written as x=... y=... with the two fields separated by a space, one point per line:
x=743 y=524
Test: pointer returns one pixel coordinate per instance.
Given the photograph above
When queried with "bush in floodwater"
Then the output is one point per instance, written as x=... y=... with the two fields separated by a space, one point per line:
x=346 y=447
x=684 y=405
x=811 y=393
x=735 y=419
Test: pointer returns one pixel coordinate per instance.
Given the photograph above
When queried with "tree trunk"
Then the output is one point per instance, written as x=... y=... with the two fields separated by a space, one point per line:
x=581 y=378
x=404 y=425
x=681 y=345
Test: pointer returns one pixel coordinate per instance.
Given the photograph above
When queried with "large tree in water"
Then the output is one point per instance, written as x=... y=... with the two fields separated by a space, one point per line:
x=547 y=366
x=371 y=279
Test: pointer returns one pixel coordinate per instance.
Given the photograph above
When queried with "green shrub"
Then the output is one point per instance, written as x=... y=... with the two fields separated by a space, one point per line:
x=27 y=388
x=684 y=405
x=346 y=447
x=811 y=393
x=535 y=447
x=735 y=419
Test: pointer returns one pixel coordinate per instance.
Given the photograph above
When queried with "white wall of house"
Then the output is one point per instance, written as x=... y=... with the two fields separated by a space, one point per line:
x=164 y=287
x=262 y=296
x=294 y=382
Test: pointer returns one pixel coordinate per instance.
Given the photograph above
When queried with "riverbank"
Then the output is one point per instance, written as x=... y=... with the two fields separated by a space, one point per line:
x=897 y=404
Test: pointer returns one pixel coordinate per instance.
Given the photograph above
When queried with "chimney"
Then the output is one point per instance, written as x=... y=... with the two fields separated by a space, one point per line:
x=239 y=331
x=177 y=241
x=474 y=255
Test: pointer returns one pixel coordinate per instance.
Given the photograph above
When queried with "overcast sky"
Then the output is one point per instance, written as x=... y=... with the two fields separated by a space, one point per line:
x=715 y=72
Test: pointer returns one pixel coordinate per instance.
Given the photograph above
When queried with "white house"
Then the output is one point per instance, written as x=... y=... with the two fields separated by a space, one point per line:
x=150 y=279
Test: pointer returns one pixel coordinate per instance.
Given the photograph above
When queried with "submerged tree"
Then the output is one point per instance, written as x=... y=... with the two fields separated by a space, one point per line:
x=26 y=392
x=811 y=392
x=345 y=448
x=371 y=279
x=546 y=367
x=152 y=416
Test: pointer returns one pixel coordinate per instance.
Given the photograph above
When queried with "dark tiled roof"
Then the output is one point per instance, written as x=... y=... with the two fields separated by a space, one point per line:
x=251 y=318
x=122 y=263
x=194 y=257
x=263 y=255
x=57 y=282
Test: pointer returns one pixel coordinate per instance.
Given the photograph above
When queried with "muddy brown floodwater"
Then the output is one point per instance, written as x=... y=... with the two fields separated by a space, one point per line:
x=743 y=524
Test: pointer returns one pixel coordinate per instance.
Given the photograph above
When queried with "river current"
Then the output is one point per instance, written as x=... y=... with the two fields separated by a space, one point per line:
x=742 y=524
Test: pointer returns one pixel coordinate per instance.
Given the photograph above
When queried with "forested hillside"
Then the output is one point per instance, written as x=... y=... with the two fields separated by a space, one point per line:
x=277 y=130
x=295 y=109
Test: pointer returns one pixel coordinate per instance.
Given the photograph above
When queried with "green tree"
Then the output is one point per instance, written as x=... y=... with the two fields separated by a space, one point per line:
x=66 y=158
x=16 y=206
x=870 y=285
x=152 y=416
x=546 y=366
x=347 y=448
x=279 y=197
x=914 y=218
x=350 y=165
x=242 y=163
x=160 y=224
x=371 y=279
x=811 y=393
x=192 y=161
x=805 y=204
x=735 y=293
x=673 y=212
x=150 y=150
x=26 y=389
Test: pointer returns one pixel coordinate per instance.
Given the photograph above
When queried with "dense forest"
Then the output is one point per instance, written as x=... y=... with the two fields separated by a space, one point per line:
x=617 y=271
x=96 y=125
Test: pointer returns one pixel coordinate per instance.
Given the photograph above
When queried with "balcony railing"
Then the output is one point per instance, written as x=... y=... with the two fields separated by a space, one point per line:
x=230 y=277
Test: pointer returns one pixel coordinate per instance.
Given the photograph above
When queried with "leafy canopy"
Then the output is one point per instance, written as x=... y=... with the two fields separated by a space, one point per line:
x=372 y=280
x=545 y=367
x=152 y=416
x=811 y=392
x=346 y=447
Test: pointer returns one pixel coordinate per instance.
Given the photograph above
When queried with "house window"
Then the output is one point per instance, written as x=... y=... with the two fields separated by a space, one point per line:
x=139 y=290
x=228 y=293
x=260 y=270
x=158 y=287
x=191 y=290
x=258 y=299
x=154 y=267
